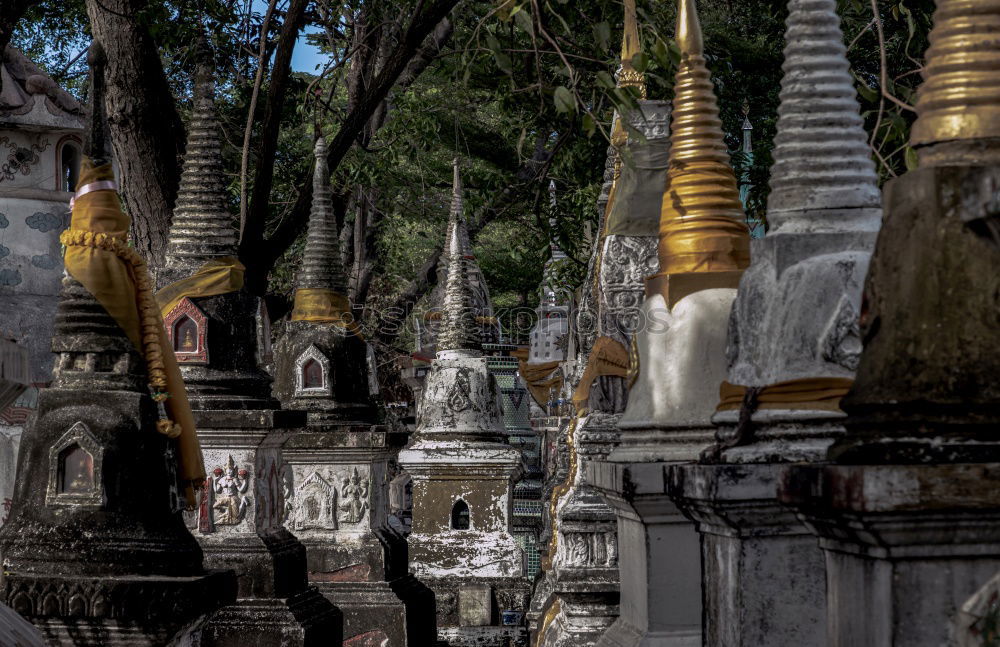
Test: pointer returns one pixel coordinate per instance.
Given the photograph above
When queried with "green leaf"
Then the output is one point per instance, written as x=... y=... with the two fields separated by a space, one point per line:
x=605 y=80
x=589 y=126
x=640 y=62
x=564 y=100
x=912 y=162
x=523 y=20
x=675 y=52
x=602 y=33
x=662 y=54
x=503 y=62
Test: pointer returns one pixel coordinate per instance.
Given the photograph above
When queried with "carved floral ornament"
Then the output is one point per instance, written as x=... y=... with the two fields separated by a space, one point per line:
x=76 y=470
x=20 y=159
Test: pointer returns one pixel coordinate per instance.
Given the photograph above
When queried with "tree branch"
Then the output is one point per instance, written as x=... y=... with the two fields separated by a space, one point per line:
x=411 y=56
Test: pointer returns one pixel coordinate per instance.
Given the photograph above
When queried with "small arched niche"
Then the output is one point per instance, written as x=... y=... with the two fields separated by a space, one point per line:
x=69 y=155
x=312 y=374
x=75 y=470
x=187 y=328
x=460 y=517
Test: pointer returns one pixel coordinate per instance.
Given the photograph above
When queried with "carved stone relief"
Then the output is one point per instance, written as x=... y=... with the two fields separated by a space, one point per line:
x=355 y=498
x=229 y=490
x=625 y=264
x=588 y=549
x=841 y=341
x=322 y=497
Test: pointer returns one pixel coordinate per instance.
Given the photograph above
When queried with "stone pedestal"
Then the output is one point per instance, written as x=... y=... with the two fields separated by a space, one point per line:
x=905 y=545
x=763 y=571
x=659 y=560
x=338 y=487
x=238 y=524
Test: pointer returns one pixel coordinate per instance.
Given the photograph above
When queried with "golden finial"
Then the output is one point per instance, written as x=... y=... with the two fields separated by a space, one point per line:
x=960 y=97
x=702 y=226
x=628 y=76
x=688 y=36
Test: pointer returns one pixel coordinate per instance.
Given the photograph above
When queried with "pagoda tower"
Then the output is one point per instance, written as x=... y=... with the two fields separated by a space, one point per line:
x=212 y=322
x=578 y=600
x=427 y=325
x=340 y=464
x=793 y=347
x=906 y=508
x=95 y=551
x=463 y=472
x=677 y=362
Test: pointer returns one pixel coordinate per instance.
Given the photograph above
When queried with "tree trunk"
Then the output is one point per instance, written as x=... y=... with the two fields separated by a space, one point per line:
x=266 y=253
x=252 y=229
x=146 y=132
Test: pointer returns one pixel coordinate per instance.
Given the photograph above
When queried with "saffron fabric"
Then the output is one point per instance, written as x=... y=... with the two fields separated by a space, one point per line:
x=540 y=379
x=321 y=305
x=608 y=357
x=218 y=276
x=810 y=394
x=97 y=255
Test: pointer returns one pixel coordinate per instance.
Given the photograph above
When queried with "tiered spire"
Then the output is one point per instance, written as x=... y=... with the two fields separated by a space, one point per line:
x=322 y=261
x=85 y=332
x=702 y=226
x=821 y=154
x=959 y=100
x=202 y=226
x=459 y=329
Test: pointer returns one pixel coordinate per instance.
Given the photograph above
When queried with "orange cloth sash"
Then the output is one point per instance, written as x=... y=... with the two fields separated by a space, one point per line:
x=811 y=394
x=98 y=256
x=608 y=357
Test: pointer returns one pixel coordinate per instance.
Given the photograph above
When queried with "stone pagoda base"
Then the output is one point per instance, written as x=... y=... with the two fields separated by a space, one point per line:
x=357 y=562
x=763 y=571
x=240 y=528
x=399 y=613
x=305 y=618
x=659 y=560
x=115 y=610
x=574 y=609
x=764 y=576
x=906 y=546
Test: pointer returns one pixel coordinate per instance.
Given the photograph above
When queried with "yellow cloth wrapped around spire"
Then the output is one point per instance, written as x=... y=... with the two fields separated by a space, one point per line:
x=320 y=305
x=218 y=276
x=98 y=256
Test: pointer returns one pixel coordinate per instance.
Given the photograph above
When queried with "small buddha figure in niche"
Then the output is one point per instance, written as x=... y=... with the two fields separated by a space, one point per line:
x=77 y=471
x=312 y=375
x=186 y=336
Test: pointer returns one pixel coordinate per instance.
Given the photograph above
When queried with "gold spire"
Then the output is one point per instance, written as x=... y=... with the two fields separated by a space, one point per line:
x=960 y=97
x=702 y=226
x=628 y=76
